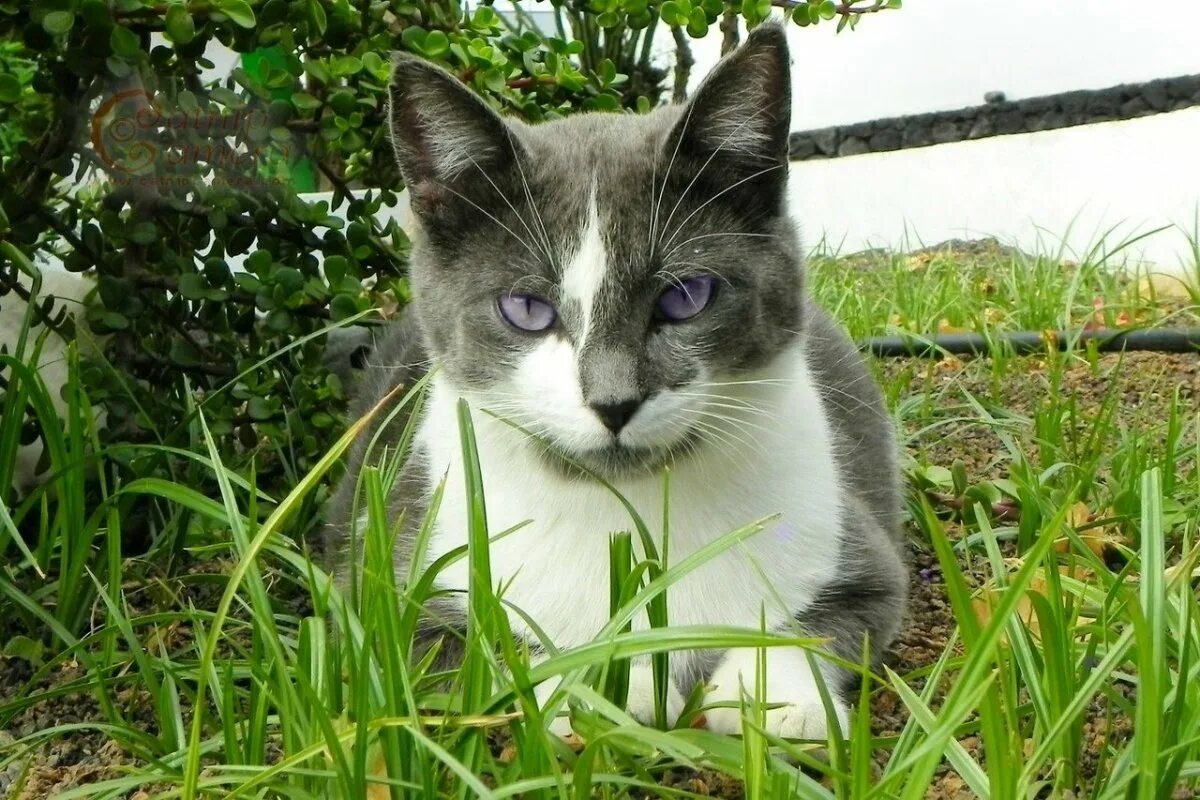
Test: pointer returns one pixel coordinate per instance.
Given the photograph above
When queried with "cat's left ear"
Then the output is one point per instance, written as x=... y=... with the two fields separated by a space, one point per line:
x=444 y=136
x=742 y=112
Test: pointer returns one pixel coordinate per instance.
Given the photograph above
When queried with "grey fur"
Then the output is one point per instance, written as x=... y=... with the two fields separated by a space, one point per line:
x=683 y=190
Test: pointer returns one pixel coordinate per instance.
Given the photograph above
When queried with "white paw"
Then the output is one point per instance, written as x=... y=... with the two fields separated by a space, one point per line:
x=640 y=703
x=791 y=685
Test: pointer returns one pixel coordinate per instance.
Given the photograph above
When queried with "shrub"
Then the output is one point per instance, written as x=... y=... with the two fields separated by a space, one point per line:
x=181 y=189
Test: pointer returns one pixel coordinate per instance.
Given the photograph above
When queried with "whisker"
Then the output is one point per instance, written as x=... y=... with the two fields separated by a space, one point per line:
x=741 y=423
x=747 y=234
x=716 y=196
x=492 y=217
x=730 y=137
x=508 y=202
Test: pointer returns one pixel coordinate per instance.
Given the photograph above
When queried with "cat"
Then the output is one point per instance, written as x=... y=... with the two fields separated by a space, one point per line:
x=624 y=293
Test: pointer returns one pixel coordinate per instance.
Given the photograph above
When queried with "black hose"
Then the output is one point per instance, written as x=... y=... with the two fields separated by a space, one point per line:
x=1160 y=340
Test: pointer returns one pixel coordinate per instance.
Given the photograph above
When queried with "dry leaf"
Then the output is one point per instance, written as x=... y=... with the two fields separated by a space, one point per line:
x=985 y=603
x=945 y=327
x=919 y=261
x=1161 y=286
x=1101 y=540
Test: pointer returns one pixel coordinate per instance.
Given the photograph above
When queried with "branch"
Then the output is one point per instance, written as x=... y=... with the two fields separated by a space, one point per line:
x=730 y=31
x=145 y=281
x=143 y=361
x=683 y=64
x=842 y=9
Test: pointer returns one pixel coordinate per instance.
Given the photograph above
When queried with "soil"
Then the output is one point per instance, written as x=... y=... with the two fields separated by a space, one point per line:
x=1146 y=384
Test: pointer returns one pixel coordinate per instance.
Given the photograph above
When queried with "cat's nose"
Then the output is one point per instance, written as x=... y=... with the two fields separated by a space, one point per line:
x=616 y=416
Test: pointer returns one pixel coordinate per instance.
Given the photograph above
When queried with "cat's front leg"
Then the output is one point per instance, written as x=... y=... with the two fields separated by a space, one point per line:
x=791 y=685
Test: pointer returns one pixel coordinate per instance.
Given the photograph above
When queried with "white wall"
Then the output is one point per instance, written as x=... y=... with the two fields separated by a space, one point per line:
x=1032 y=190
x=936 y=55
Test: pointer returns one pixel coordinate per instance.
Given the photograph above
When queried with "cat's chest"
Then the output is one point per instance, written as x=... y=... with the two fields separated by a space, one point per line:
x=555 y=567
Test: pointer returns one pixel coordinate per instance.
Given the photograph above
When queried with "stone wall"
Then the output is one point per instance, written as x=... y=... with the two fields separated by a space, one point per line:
x=999 y=117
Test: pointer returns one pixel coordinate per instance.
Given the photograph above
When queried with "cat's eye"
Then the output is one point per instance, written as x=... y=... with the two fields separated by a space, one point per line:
x=526 y=312
x=686 y=299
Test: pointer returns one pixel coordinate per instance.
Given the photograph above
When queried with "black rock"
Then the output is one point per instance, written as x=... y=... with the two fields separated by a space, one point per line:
x=801 y=147
x=1103 y=106
x=1135 y=107
x=826 y=140
x=917 y=134
x=946 y=132
x=1155 y=95
x=853 y=146
x=1010 y=121
x=983 y=127
x=886 y=139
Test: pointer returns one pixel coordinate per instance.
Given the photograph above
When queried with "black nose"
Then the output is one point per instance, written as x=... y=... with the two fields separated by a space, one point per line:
x=616 y=416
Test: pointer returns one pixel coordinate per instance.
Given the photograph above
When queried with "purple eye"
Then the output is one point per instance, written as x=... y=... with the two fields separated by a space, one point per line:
x=526 y=312
x=686 y=299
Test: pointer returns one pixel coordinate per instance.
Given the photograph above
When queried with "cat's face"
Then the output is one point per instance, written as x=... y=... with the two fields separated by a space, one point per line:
x=602 y=281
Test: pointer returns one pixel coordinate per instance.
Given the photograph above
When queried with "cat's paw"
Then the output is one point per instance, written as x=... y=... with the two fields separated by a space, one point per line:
x=640 y=702
x=791 y=686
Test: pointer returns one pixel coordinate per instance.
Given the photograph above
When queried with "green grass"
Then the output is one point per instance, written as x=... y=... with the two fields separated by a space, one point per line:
x=244 y=671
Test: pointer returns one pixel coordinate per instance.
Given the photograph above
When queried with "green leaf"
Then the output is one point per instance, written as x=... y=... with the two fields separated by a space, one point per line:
x=437 y=44
x=125 y=42
x=413 y=38
x=672 y=13
x=341 y=307
x=344 y=66
x=239 y=12
x=493 y=79
x=10 y=89
x=26 y=649
x=305 y=101
x=192 y=286
x=181 y=28
x=58 y=23
x=827 y=9
x=279 y=321
x=114 y=320
x=316 y=16
x=144 y=233
x=260 y=408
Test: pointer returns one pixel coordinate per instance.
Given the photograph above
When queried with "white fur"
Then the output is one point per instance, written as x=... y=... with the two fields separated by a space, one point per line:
x=584 y=273
x=556 y=568
x=790 y=683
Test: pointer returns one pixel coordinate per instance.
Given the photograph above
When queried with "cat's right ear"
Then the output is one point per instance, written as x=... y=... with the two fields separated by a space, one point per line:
x=444 y=134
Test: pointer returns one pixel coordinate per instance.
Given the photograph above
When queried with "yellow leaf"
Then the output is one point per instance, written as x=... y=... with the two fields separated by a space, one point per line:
x=945 y=327
x=1161 y=286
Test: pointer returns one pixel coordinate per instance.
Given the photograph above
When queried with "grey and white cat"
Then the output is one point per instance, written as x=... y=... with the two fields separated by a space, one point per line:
x=630 y=289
